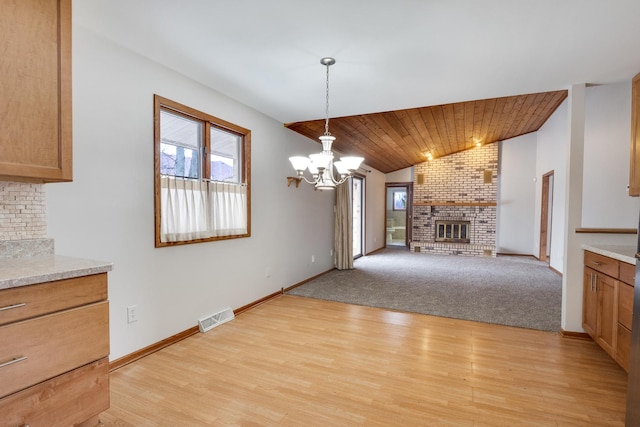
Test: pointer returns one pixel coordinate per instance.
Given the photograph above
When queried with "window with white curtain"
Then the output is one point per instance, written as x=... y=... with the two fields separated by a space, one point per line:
x=202 y=176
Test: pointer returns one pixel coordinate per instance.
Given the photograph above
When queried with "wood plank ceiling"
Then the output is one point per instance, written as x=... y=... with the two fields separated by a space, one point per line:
x=395 y=140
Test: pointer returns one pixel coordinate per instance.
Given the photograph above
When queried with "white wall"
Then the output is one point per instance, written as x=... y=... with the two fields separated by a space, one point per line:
x=402 y=175
x=604 y=151
x=375 y=211
x=605 y=200
x=107 y=212
x=552 y=139
x=516 y=195
x=598 y=195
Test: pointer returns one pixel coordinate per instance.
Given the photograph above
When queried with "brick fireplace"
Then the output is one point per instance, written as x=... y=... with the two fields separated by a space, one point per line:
x=454 y=204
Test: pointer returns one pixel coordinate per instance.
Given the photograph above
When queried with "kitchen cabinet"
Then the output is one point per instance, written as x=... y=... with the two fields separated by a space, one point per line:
x=599 y=301
x=608 y=304
x=625 y=314
x=35 y=83
x=54 y=368
x=634 y=164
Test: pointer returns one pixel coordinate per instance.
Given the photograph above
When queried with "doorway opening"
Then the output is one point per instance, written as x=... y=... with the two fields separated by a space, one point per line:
x=546 y=216
x=398 y=214
x=357 y=210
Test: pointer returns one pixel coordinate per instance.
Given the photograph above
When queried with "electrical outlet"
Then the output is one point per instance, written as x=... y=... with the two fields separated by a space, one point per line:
x=132 y=313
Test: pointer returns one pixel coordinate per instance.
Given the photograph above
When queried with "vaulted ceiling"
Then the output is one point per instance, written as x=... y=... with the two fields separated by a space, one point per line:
x=398 y=139
x=393 y=58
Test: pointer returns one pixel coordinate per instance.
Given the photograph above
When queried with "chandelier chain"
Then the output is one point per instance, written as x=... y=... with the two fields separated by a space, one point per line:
x=326 y=111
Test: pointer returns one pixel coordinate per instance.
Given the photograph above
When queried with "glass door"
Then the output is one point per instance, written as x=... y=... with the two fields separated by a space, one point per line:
x=357 y=209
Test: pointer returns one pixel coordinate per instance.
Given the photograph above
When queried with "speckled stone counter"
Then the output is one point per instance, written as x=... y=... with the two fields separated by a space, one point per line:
x=621 y=253
x=24 y=271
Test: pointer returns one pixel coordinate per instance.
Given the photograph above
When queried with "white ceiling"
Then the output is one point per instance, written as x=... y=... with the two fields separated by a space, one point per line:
x=391 y=54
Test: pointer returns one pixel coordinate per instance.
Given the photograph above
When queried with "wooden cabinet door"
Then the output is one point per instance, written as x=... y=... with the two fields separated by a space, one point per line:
x=607 y=321
x=623 y=347
x=35 y=88
x=634 y=164
x=625 y=305
x=590 y=303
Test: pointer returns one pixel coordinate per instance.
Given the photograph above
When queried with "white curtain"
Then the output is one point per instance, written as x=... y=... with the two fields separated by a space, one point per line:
x=228 y=208
x=194 y=209
x=343 y=234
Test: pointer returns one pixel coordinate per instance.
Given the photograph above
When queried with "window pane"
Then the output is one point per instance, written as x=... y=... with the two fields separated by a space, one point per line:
x=180 y=145
x=226 y=156
x=205 y=206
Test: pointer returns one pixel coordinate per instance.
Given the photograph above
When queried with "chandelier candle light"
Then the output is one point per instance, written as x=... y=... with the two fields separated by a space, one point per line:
x=321 y=165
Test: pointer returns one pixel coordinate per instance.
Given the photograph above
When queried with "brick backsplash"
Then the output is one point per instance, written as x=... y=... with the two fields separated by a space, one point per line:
x=22 y=211
x=457 y=178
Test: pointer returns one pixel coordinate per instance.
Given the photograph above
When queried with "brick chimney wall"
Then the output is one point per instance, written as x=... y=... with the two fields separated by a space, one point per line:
x=454 y=188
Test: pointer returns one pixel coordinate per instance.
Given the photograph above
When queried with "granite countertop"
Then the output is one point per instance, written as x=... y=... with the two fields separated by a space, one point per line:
x=621 y=253
x=24 y=271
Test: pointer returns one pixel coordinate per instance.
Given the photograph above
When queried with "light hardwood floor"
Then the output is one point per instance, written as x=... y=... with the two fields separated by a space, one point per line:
x=302 y=362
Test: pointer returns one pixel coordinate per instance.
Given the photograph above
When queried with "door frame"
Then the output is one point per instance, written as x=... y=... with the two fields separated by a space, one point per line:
x=546 y=216
x=408 y=186
x=362 y=212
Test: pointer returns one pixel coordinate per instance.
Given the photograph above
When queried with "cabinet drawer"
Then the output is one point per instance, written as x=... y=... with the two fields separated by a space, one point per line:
x=623 y=347
x=65 y=400
x=625 y=304
x=52 y=345
x=603 y=264
x=29 y=301
x=627 y=273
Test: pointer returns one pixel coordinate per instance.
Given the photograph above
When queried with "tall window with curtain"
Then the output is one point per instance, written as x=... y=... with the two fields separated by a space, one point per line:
x=202 y=176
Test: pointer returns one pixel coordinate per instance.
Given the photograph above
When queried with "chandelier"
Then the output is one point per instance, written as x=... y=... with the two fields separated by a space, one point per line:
x=321 y=165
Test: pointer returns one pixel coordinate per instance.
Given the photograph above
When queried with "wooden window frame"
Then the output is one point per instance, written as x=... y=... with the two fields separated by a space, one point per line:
x=159 y=104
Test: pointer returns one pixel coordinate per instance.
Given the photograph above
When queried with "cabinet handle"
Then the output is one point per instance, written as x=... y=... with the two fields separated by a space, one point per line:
x=596 y=263
x=9 y=307
x=12 y=361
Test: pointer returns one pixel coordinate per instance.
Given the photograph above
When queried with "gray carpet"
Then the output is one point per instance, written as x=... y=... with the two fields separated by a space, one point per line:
x=514 y=291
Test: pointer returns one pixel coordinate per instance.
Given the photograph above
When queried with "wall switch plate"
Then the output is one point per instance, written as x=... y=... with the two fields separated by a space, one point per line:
x=132 y=313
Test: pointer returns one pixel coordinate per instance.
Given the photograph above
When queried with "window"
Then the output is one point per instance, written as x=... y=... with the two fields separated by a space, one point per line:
x=202 y=176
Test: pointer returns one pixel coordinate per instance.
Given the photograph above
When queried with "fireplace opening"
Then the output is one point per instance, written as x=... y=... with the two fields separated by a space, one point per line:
x=452 y=231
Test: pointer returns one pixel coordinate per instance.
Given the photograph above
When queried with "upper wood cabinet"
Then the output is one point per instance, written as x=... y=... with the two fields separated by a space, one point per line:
x=35 y=83
x=634 y=165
